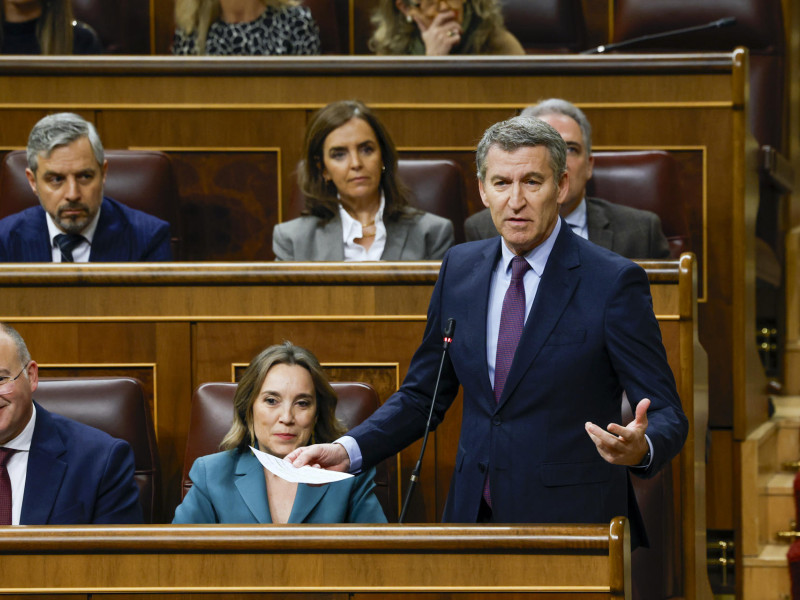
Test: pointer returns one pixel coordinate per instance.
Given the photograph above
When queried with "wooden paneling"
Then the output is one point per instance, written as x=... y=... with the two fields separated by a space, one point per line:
x=580 y=560
x=692 y=105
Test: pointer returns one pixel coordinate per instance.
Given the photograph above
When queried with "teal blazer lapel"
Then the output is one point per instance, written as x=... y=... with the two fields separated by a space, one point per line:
x=306 y=500
x=252 y=486
x=558 y=283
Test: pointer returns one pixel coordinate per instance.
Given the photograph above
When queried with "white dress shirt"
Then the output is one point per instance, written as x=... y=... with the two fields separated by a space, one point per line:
x=352 y=230
x=501 y=279
x=17 y=466
x=82 y=251
x=577 y=220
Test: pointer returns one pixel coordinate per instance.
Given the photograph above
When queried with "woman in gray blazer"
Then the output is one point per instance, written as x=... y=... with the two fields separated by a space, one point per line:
x=356 y=208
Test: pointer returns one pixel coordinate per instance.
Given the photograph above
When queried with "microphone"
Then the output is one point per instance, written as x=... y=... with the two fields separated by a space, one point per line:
x=447 y=338
x=718 y=24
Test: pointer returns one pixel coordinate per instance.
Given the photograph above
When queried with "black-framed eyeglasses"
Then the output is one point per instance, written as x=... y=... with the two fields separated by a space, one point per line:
x=6 y=381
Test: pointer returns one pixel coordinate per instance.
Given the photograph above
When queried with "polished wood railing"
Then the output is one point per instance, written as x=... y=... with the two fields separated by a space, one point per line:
x=591 y=561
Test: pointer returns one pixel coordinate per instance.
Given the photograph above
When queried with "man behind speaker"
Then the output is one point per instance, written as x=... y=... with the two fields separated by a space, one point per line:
x=631 y=232
x=74 y=222
x=53 y=470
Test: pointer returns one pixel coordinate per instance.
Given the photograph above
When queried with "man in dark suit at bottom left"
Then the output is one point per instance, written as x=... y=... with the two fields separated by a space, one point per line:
x=74 y=222
x=53 y=470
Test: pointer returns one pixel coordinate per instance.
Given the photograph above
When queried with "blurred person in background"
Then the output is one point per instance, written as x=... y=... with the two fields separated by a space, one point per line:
x=441 y=27
x=244 y=28
x=44 y=27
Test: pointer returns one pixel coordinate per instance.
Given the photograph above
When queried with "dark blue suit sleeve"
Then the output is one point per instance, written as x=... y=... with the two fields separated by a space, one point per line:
x=633 y=339
x=401 y=419
x=118 y=495
x=159 y=248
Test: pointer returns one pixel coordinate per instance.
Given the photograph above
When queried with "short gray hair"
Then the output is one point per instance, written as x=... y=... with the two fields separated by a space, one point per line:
x=557 y=106
x=523 y=132
x=22 y=349
x=59 y=130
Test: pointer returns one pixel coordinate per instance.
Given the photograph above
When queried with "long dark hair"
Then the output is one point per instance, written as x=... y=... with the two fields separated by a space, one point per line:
x=53 y=28
x=321 y=198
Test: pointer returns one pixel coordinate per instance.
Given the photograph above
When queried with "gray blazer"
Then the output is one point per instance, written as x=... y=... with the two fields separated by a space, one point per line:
x=420 y=236
x=631 y=232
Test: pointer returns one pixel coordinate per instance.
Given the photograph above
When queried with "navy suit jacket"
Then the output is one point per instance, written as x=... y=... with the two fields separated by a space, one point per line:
x=78 y=475
x=591 y=334
x=123 y=235
x=229 y=487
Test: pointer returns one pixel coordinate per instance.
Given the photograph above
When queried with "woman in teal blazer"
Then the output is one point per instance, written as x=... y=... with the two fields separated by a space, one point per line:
x=283 y=401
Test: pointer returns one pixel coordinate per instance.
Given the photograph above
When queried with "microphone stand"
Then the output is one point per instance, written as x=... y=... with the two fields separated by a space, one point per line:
x=718 y=24
x=448 y=338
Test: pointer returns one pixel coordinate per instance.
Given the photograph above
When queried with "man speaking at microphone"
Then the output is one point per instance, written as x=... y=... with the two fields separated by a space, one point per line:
x=551 y=329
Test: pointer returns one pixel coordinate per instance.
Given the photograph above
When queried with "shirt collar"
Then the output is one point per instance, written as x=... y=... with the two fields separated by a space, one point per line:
x=537 y=258
x=88 y=233
x=23 y=441
x=351 y=228
x=577 y=218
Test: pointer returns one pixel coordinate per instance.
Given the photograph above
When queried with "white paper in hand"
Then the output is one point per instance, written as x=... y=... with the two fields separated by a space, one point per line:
x=286 y=470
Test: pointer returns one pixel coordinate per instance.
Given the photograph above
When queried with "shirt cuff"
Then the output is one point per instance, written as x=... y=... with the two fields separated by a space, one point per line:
x=649 y=453
x=353 y=451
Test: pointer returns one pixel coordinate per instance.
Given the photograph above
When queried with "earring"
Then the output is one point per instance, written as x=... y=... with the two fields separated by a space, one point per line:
x=383 y=169
x=409 y=19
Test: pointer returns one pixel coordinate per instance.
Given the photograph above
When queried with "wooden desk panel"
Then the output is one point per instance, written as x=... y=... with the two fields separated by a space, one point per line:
x=591 y=560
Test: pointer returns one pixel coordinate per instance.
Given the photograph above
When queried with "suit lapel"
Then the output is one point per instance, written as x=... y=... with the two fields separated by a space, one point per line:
x=45 y=471
x=305 y=501
x=108 y=243
x=478 y=282
x=33 y=239
x=328 y=241
x=598 y=225
x=396 y=236
x=252 y=486
x=558 y=283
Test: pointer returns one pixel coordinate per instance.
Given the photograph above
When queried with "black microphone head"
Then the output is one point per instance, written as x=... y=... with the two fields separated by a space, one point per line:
x=450 y=328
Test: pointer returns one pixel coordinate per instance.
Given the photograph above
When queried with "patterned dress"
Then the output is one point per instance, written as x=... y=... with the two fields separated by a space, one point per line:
x=278 y=31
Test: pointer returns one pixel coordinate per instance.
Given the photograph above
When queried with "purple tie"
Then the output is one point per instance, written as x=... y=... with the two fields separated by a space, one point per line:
x=512 y=319
x=5 y=487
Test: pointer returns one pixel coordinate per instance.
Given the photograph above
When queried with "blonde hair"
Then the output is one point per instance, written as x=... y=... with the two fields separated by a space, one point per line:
x=393 y=33
x=197 y=16
x=242 y=432
x=54 y=27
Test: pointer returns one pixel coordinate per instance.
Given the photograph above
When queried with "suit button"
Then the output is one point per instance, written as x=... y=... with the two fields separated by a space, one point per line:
x=497 y=421
x=482 y=467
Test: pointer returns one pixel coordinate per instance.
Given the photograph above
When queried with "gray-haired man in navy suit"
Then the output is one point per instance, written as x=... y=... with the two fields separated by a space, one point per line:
x=74 y=222
x=631 y=232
